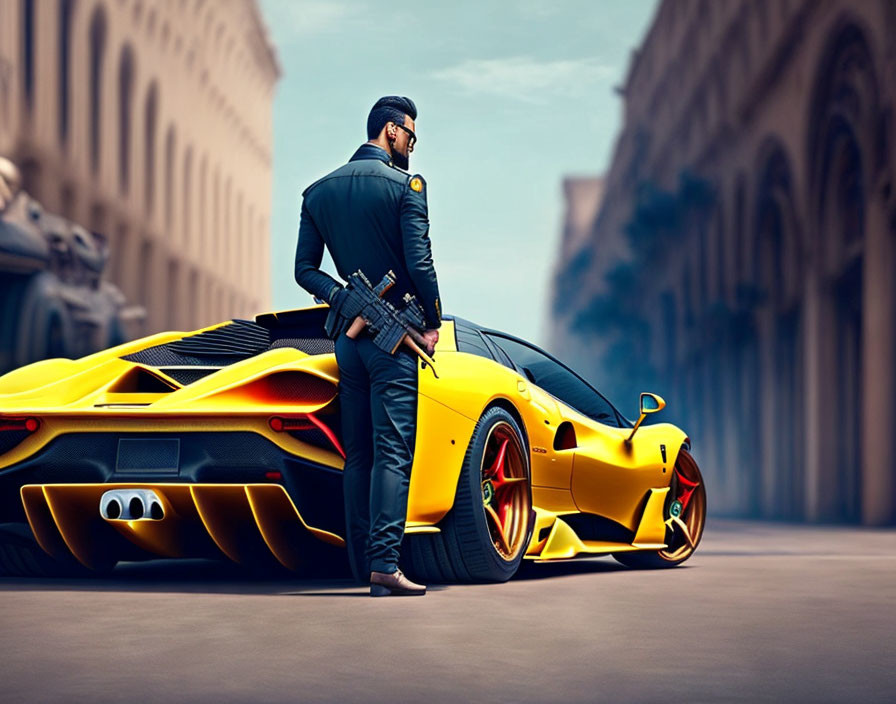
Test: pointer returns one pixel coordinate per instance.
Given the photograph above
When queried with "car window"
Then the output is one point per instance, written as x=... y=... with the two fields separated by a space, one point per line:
x=557 y=380
x=469 y=340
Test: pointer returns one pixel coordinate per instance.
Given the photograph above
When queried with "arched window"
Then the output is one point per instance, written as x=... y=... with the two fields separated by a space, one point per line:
x=151 y=24
x=209 y=308
x=28 y=52
x=149 y=152
x=192 y=299
x=143 y=276
x=66 y=8
x=702 y=264
x=97 y=50
x=228 y=231
x=261 y=239
x=216 y=218
x=203 y=200
x=688 y=295
x=777 y=242
x=187 y=195
x=238 y=234
x=173 y=296
x=169 y=178
x=669 y=318
x=740 y=228
x=719 y=233
x=250 y=249
x=125 y=110
x=120 y=251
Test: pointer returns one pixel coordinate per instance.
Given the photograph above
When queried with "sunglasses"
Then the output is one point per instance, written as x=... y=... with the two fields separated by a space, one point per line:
x=411 y=135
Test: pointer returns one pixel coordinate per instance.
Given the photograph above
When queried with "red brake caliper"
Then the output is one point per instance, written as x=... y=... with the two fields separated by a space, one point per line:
x=685 y=495
x=499 y=480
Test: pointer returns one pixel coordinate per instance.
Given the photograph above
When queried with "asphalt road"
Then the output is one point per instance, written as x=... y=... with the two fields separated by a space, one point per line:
x=762 y=612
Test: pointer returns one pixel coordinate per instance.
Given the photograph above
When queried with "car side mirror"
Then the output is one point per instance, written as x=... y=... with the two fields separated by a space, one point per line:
x=650 y=403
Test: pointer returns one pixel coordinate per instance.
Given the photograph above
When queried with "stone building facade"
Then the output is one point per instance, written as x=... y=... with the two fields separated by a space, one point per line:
x=582 y=198
x=752 y=185
x=150 y=122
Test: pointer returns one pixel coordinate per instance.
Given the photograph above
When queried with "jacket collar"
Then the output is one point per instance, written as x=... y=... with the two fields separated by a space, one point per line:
x=371 y=151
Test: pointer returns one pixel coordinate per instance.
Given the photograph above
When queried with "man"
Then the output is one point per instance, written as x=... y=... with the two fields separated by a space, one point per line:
x=372 y=215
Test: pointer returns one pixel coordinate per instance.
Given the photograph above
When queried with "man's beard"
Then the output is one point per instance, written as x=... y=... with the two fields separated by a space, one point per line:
x=400 y=160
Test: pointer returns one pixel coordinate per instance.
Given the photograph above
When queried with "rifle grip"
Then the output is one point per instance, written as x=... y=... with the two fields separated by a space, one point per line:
x=356 y=327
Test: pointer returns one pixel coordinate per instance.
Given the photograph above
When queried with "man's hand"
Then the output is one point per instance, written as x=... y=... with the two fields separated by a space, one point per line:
x=431 y=337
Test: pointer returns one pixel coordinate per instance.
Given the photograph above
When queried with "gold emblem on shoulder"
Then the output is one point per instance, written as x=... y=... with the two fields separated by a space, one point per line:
x=416 y=184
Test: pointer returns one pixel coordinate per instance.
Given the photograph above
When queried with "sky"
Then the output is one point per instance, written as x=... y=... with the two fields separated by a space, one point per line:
x=511 y=97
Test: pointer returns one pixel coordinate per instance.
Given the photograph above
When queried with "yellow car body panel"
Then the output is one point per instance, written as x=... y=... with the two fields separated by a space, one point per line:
x=64 y=519
x=600 y=474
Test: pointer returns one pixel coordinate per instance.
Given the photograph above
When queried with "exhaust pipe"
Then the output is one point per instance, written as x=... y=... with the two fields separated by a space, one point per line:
x=131 y=505
x=135 y=508
x=156 y=512
x=112 y=509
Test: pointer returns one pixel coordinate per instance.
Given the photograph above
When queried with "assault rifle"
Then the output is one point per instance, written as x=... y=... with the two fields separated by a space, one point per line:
x=389 y=326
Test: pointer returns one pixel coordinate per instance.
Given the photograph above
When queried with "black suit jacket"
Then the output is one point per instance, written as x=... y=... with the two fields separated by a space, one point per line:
x=371 y=216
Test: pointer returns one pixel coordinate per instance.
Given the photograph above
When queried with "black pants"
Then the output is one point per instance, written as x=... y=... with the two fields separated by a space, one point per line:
x=378 y=401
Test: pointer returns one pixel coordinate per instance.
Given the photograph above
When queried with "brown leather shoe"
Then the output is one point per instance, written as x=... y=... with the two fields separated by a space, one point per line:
x=395 y=584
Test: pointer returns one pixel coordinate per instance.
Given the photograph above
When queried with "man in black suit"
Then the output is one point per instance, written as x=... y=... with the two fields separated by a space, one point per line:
x=372 y=215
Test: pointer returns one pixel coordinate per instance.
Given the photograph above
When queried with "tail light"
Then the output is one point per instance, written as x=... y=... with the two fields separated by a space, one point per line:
x=29 y=424
x=308 y=428
x=14 y=430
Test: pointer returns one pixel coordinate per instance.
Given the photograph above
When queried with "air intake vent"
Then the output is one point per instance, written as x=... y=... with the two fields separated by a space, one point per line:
x=241 y=338
x=313 y=436
x=10 y=438
x=565 y=439
x=287 y=387
x=308 y=345
x=187 y=376
x=140 y=381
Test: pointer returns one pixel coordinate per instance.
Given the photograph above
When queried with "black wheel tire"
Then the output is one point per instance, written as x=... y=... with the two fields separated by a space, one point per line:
x=21 y=556
x=694 y=516
x=464 y=550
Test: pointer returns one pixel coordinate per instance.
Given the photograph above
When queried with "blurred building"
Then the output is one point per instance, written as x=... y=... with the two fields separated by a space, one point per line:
x=151 y=123
x=582 y=197
x=753 y=187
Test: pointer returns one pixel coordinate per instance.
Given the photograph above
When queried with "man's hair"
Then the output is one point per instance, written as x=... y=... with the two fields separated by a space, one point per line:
x=391 y=108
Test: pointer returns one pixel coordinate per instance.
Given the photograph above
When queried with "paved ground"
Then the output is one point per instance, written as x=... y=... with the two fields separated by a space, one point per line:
x=761 y=613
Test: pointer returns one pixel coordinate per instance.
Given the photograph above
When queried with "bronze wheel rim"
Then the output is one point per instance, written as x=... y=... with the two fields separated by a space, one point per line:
x=686 y=513
x=505 y=490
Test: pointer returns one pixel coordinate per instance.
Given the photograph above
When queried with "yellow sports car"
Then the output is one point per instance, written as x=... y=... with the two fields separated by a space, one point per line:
x=226 y=442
